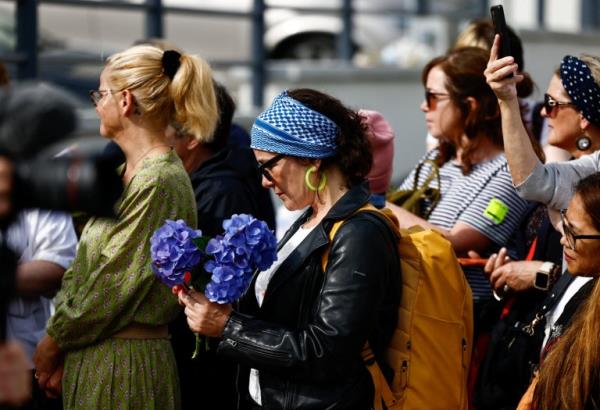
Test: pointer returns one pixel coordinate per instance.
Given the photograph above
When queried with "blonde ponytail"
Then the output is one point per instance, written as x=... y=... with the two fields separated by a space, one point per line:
x=188 y=98
x=193 y=93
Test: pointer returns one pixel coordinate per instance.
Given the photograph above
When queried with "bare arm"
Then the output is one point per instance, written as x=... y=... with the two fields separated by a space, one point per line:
x=462 y=236
x=517 y=146
x=15 y=386
x=39 y=278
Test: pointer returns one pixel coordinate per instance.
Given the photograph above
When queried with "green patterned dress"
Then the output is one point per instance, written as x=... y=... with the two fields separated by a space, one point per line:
x=111 y=285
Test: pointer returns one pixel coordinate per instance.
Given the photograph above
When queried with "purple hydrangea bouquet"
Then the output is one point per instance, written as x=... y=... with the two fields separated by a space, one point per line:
x=223 y=266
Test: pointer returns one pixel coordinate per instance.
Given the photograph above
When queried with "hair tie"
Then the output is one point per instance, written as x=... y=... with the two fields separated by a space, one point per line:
x=171 y=62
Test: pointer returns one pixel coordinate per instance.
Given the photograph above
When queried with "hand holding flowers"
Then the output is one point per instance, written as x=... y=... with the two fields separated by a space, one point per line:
x=223 y=266
x=203 y=316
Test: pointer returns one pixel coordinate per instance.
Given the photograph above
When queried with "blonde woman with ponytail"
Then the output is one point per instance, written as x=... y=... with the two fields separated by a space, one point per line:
x=108 y=340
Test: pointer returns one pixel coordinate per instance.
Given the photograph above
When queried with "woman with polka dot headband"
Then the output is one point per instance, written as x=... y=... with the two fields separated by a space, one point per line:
x=572 y=107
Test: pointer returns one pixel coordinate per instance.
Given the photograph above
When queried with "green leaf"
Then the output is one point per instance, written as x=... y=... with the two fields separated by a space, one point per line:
x=201 y=242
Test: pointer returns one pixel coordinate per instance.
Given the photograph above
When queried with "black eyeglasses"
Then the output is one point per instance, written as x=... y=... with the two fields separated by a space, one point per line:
x=265 y=167
x=97 y=95
x=550 y=103
x=568 y=231
x=432 y=98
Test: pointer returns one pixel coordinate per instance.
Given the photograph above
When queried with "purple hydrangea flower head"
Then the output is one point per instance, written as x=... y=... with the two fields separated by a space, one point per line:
x=247 y=244
x=173 y=252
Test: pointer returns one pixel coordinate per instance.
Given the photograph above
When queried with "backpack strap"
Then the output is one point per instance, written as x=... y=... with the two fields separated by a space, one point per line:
x=385 y=213
x=383 y=393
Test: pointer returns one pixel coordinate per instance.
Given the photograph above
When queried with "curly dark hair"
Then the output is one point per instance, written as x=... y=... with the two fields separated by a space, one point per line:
x=353 y=155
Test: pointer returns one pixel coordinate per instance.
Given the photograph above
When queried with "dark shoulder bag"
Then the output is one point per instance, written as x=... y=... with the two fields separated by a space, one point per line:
x=514 y=349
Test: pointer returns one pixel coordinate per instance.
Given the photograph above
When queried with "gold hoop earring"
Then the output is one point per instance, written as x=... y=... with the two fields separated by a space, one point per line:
x=309 y=184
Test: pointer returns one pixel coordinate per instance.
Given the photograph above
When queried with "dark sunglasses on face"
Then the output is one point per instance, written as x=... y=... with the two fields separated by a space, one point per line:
x=550 y=104
x=265 y=168
x=432 y=98
x=568 y=231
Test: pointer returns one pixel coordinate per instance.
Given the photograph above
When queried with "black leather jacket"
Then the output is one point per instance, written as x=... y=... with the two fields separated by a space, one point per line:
x=306 y=338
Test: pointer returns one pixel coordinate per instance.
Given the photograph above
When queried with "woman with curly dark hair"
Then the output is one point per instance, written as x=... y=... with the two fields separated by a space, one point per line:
x=300 y=328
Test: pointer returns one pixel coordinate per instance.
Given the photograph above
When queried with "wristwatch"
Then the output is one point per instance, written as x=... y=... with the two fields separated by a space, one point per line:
x=542 y=276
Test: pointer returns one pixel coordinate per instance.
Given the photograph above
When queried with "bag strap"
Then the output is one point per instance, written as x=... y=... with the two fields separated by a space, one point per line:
x=368 y=207
x=336 y=226
x=434 y=173
x=383 y=392
x=549 y=302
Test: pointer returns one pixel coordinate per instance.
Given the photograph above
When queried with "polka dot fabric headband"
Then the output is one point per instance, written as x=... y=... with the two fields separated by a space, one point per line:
x=577 y=79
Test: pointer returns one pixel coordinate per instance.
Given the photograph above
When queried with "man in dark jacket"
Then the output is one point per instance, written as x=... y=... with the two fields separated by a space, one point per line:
x=226 y=181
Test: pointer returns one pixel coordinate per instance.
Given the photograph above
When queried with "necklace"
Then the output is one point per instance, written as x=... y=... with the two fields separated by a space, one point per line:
x=145 y=153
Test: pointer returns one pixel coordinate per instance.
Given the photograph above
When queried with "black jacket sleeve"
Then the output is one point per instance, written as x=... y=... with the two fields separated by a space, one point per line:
x=362 y=261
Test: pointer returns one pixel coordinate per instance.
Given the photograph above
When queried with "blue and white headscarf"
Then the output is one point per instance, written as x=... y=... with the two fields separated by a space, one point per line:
x=288 y=127
x=577 y=79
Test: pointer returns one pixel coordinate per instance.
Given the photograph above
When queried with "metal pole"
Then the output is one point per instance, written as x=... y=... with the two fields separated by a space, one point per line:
x=422 y=7
x=345 y=39
x=154 y=19
x=258 y=54
x=27 y=34
x=541 y=14
x=484 y=10
x=590 y=14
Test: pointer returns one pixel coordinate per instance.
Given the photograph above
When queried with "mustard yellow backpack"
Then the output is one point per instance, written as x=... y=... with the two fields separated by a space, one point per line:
x=430 y=350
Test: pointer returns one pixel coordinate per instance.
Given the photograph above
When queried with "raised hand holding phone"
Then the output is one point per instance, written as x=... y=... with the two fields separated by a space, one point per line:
x=500 y=28
x=497 y=74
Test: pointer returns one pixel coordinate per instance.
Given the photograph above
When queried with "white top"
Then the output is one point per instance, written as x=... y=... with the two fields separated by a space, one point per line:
x=554 y=314
x=37 y=235
x=260 y=287
x=263 y=279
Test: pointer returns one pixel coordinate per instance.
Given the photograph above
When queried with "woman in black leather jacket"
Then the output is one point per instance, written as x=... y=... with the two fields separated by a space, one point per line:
x=298 y=331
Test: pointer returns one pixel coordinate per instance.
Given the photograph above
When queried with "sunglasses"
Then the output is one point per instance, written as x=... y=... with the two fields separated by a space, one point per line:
x=550 y=104
x=265 y=168
x=432 y=98
x=568 y=231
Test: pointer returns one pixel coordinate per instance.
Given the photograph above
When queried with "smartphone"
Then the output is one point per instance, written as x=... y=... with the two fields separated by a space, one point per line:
x=499 y=21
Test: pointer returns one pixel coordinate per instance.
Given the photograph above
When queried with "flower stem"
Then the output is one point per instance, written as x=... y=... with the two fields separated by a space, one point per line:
x=197 y=346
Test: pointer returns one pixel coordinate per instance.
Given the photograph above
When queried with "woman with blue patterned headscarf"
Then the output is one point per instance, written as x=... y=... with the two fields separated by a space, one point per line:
x=299 y=330
x=572 y=107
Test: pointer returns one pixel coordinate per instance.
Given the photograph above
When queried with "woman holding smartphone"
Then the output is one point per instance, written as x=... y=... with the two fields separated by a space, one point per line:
x=572 y=106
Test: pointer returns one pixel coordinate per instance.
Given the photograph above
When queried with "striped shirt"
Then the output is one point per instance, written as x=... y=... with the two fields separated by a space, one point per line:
x=485 y=199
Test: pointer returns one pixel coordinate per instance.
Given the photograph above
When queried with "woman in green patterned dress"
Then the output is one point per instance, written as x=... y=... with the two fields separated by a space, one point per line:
x=110 y=326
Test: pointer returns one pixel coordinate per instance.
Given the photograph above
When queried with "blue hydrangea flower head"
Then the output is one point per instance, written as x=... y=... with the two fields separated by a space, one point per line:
x=173 y=252
x=247 y=244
